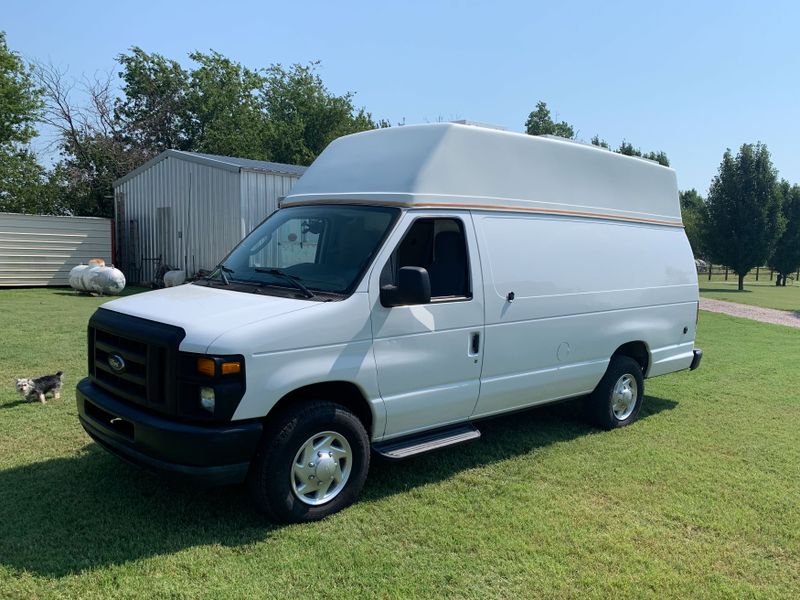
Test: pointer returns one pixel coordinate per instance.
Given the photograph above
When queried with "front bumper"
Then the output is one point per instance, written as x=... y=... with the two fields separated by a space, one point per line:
x=698 y=356
x=210 y=454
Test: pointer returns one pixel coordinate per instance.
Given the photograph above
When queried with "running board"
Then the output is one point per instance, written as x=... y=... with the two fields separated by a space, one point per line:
x=426 y=442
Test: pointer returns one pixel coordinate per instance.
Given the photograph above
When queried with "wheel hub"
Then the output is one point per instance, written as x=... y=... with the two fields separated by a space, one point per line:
x=624 y=397
x=321 y=468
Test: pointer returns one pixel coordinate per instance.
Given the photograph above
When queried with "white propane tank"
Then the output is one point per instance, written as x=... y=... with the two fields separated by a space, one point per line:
x=173 y=278
x=97 y=279
x=75 y=277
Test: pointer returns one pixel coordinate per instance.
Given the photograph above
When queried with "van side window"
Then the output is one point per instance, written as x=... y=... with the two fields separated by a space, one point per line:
x=439 y=246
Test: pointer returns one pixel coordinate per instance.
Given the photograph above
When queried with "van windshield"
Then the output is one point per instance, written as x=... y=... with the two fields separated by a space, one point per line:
x=310 y=249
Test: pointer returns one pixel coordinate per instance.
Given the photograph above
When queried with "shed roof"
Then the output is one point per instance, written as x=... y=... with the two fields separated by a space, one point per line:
x=453 y=165
x=228 y=163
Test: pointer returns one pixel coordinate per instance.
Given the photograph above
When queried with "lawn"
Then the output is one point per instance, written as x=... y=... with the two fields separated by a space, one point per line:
x=698 y=499
x=759 y=293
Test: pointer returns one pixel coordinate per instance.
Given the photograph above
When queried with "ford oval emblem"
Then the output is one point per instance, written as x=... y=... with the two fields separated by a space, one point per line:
x=116 y=362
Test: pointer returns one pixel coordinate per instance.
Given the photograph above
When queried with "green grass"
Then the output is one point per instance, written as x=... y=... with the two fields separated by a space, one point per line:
x=698 y=499
x=758 y=293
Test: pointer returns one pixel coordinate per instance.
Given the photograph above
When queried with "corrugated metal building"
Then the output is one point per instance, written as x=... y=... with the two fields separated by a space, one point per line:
x=40 y=250
x=188 y=210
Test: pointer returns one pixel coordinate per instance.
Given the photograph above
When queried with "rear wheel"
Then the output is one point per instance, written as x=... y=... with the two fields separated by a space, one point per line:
x=312 y=462
x=617 y=399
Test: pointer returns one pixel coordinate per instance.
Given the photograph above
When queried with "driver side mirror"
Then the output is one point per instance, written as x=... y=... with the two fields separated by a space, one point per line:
x=413 y=287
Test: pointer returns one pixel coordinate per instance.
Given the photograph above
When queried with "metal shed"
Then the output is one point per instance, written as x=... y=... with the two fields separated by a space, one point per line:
x=40 y=250
x=188 y=210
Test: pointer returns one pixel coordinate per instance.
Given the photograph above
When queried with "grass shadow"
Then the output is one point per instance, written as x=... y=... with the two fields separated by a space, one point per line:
x=66 y=515
x=724 y=291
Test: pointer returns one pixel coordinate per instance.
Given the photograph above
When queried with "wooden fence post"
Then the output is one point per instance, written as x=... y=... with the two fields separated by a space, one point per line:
x=756 y=273
x=726 y=273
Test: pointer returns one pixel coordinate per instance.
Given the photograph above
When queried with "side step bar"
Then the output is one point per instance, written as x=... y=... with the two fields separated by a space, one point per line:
x=426 y=442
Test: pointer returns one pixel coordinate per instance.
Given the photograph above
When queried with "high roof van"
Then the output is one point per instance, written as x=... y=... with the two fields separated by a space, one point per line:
x=416 y=280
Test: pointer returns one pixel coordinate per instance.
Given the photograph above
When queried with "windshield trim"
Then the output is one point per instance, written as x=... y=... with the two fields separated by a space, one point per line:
x=320 y=294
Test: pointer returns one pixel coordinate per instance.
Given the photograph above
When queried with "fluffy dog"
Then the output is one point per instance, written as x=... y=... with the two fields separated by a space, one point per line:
x=37 y=389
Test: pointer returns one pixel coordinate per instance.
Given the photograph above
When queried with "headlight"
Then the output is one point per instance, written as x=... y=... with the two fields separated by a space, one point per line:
x=207 y=399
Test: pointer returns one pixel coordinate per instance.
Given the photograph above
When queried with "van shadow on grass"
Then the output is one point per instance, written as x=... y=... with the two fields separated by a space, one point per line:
x=728 y=290
x=66 y=515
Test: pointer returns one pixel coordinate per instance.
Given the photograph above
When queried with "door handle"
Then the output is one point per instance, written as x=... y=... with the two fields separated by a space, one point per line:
x=475 y=344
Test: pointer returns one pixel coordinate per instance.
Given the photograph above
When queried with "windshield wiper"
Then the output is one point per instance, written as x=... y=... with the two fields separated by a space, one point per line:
x=290 y=278
x=222 y=270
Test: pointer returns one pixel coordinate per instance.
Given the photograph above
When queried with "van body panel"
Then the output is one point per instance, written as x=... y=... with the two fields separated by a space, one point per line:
x=204 y=313
x=287 y=356
x=572 y=308
x=427 y=374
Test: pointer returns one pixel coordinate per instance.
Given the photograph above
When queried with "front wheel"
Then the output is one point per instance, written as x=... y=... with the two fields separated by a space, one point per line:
x=617 y=399
x=312 y=462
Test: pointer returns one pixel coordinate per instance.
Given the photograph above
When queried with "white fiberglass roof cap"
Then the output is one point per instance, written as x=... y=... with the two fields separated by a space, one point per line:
x=454 y=165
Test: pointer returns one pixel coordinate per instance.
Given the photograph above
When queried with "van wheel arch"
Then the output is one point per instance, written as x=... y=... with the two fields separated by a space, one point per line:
x=344 y=393
x=638 y=351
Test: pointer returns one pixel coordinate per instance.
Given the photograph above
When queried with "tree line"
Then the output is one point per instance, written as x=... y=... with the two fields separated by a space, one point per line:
x=104 y=130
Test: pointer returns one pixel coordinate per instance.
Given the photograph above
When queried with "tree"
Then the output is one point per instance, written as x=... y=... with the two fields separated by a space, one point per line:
x=303 y=116
x=541 y=123
x=629 y=149
x=786 y=257
x=96 y=147
x=21 y=177
x=693 y=210
x=744 y=211
x=153 y=111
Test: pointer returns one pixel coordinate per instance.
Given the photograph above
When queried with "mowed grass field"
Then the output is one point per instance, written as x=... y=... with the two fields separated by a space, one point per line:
x=699 y=499
x=758 y=293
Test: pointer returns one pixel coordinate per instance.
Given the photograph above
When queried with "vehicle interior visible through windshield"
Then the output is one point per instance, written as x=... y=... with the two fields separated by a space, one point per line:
x=310 y=248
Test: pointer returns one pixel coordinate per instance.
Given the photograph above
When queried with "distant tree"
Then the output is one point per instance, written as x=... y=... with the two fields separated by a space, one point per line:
x=693 y=210
x=225 y=108
x=744 y=211
x=541 y=123
x=153 y=111
x=786 y=257
x=96 y=148
x=21 y=177
x=628 y=149
x=303 y=116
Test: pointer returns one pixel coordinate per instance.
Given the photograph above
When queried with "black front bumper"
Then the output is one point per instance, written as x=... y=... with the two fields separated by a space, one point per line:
x=210 y=454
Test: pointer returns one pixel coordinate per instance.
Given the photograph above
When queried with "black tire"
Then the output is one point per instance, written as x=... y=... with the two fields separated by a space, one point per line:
x=270 y=476
x=600 y=403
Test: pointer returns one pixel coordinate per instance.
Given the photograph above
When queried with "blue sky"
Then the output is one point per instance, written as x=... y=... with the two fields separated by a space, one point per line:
x=689 y=78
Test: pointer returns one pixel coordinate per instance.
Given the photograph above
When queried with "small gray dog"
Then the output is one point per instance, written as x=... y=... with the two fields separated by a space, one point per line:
x=37 y=389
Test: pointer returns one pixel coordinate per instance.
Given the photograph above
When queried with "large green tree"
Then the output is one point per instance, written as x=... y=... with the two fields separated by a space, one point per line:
x=22 y=179
x=744 y=220
x=303 y=116
x=152 y=111
x=786 y=257
x=693 y=209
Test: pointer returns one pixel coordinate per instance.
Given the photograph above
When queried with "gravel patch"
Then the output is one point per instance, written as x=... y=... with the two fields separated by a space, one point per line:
x=757 y=313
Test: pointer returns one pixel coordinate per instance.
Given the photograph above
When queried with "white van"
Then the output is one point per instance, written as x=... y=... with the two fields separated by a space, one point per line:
x=416 y=280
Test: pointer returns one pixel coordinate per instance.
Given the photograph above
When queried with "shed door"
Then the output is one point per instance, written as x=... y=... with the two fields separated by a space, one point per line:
x=164 y=234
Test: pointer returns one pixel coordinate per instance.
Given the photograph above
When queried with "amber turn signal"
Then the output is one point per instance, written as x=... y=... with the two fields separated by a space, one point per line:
x=229 y=368
x=206 y=366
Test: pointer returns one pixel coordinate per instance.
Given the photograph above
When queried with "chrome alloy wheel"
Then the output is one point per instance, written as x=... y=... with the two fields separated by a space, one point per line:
x=624 y=396
x=321 y=468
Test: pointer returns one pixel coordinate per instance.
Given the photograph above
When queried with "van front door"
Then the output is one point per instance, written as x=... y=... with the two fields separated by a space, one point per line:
x=429 y=356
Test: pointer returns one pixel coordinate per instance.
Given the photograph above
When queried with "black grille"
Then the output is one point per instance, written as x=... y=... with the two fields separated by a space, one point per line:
x=149 y=351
